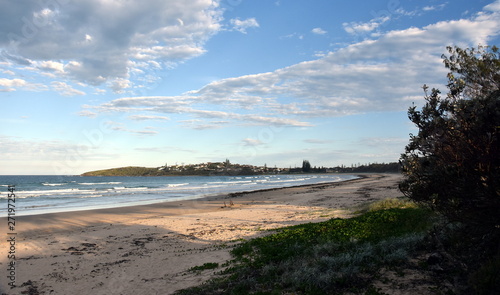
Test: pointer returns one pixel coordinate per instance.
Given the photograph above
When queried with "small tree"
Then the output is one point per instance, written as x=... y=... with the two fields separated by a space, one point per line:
x=453 y=163
x=306 y=166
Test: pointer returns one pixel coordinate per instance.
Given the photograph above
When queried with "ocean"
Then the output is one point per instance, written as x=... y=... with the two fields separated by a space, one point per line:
x=38 y=194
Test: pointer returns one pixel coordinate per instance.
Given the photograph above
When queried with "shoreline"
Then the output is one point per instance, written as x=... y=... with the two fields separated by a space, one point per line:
x=149 y=248
x=137 y=203
x=204 y=204
x=209 y=198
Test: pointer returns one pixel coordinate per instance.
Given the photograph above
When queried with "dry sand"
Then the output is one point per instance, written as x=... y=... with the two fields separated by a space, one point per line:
x=149 y=249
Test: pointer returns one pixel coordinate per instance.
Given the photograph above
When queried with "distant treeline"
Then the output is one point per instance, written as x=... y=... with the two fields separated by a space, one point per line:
x=393 y=167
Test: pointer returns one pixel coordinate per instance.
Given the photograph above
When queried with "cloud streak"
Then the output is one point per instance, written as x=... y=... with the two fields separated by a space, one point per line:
x=385 y=74
x=365 y=28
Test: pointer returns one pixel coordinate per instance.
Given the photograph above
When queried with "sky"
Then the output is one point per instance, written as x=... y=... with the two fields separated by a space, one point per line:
x=97 y=84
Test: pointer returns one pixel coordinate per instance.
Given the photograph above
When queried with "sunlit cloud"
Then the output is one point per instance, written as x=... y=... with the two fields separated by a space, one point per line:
x=385 y=74
x=243 y=25
x=65 y=89
x=318 y=31
x=96 y=42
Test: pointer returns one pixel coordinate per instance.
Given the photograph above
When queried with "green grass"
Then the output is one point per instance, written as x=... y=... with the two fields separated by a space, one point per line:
x=330 y=257
x=392 y=203
x=208 y=265
x=389 y=203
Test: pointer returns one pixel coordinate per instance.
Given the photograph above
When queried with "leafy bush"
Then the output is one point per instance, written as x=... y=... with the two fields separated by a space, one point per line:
x=486 y=280
x=453 y=163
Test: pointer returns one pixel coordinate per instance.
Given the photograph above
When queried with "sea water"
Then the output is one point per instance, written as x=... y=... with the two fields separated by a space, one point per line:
x=38 y=194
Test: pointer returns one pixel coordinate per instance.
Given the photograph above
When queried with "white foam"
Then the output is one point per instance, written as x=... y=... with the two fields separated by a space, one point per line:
x=53 y=184
x=99 y=183
x=177 y=184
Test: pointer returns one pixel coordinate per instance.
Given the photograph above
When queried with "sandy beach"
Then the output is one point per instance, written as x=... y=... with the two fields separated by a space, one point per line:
x=149 y=249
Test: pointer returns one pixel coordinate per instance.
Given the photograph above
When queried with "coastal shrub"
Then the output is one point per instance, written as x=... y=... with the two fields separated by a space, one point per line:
x=453 y=164
x=486 y=280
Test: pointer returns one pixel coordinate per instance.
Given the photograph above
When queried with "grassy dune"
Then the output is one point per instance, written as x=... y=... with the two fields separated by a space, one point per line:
x=331 y=257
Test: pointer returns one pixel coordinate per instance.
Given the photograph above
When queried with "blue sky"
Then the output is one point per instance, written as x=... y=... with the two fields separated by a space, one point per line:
x=96 y=84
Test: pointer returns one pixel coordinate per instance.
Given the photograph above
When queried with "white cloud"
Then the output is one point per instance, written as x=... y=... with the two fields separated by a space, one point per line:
x=95 y=41
x=318 y=31
x=435 y=7
x=50 y=66
x=243 y=25
x=404 y=12
x=146 y=117
x=144 y=132
x=119 y=85
x=19 y=84
x=365 y=28
x=495 y=6
x=99 y=91
x=293 y=36
x=65 y=89
x=385 y=74
x=87 y=113
x=9 y=84
x=202 y=125
x=251 y=142
x=429 y=8
x=116 y=126
x=317 y=141
x=9 y=72
x=263 y=120
x=189 y=105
